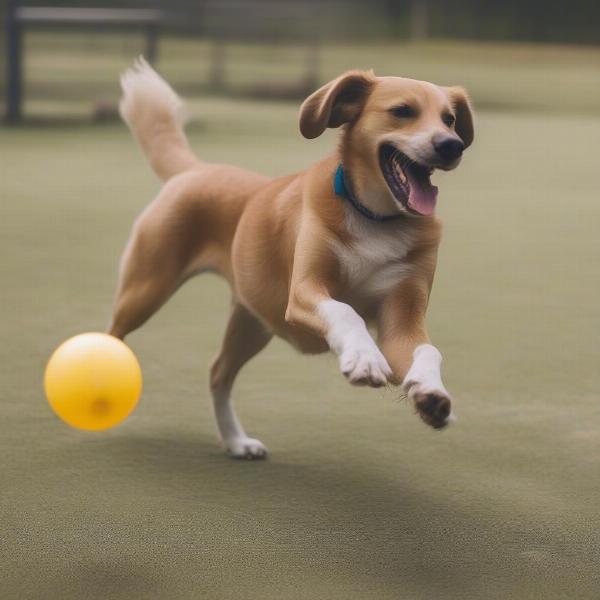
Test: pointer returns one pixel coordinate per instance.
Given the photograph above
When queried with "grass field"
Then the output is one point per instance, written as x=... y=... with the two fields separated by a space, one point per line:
x=359 y=500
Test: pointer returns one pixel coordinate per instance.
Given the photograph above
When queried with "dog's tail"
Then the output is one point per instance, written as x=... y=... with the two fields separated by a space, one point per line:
x=156 y=116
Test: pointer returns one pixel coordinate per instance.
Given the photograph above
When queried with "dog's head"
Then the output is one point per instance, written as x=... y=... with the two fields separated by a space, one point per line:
x=397 y=132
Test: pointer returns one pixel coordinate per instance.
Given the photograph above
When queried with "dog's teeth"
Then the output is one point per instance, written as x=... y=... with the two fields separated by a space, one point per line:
x=400 y=173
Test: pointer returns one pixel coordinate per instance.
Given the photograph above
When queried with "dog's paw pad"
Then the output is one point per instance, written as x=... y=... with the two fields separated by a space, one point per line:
x=247 y=448
x=434 y=407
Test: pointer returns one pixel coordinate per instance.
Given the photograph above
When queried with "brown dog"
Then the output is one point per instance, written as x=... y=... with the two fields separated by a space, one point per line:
x=311 y=257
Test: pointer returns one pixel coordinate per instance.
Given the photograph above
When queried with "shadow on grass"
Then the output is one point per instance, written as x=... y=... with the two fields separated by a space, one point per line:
x=329 y=516
x=110 y=579
x=165 y=514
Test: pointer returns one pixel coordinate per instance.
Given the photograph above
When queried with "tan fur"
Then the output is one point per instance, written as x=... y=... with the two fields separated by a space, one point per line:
x=156 y=117
x=274 y=239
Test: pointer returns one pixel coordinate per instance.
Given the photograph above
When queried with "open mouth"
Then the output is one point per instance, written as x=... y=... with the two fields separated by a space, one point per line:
x=408 y=181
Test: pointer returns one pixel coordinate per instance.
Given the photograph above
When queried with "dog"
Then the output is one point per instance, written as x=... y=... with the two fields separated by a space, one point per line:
x=315 y=257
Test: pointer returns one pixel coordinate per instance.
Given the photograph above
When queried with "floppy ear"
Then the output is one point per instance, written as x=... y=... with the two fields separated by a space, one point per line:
x=464 y=114
x=337 y=102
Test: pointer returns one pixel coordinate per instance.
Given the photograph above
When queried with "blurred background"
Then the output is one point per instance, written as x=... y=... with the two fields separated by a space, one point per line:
x=67 y=53
x=359 y=499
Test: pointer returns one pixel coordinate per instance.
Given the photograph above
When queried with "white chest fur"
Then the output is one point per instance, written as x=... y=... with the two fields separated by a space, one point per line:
x=374 y=259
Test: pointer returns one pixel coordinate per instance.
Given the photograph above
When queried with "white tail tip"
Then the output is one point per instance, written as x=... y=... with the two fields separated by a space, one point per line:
x=144 y=89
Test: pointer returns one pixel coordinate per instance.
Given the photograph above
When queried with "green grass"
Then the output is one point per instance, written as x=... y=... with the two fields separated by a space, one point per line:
x=360 y=499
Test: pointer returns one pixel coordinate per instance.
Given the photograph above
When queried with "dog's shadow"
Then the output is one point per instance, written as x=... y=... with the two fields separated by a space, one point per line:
x=375 y=526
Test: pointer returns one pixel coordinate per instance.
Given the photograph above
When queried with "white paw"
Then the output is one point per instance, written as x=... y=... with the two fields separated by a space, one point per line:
x=245 y=447
x=423 y=386
x=365 y=365
x=360 y=359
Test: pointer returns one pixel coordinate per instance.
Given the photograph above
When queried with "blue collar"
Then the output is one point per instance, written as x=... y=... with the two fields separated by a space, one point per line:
x=342 y=188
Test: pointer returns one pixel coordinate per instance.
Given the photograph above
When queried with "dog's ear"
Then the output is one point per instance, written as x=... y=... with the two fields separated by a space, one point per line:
x=464 y=114
x=337 y=102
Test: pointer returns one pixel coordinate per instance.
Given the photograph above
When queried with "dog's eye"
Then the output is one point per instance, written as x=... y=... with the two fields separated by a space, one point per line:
x=403 y=111
x=448 y=119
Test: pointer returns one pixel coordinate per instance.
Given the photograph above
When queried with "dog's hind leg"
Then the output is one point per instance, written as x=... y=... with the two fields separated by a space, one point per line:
x=245 y=337
x=171 y=240
x=138 y=298
x=151 y=271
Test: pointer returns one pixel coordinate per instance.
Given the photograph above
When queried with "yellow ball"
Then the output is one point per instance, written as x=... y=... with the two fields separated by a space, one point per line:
x=93 y=381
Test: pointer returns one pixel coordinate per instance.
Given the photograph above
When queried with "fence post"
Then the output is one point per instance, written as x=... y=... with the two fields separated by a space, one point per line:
x=217 y=64
x=152 y=43
x=14 y=60
x=312 y=66
x=419 y=20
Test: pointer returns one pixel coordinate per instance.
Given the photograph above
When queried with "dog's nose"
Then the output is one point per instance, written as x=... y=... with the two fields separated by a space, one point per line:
x=449 y=148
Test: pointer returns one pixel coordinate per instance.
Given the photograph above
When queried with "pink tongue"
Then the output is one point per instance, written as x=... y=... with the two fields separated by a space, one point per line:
x=423 y=195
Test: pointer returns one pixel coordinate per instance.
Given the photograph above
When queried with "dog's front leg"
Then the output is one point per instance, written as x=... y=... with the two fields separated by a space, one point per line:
x=311 y=305
x=360 y=360
x=415 y=362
